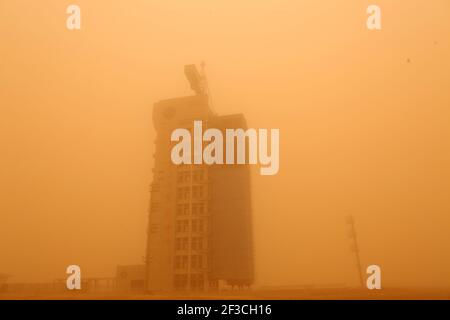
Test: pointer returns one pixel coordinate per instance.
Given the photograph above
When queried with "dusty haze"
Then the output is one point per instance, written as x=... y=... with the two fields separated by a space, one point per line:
x=363 y=118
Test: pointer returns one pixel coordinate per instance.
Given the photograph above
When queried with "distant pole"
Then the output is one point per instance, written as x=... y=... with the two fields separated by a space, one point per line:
x=354 y=247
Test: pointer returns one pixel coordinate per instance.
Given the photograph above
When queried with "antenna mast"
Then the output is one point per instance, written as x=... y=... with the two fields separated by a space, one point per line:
x=206 y=85
x=198 y=81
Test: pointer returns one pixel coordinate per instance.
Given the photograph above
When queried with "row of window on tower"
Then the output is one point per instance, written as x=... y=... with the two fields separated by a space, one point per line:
x=184 y=209
x=183 y=193
x=183 y=243
x=181 y=281
x=181 y=262
x=197 y=225
x=185 y=176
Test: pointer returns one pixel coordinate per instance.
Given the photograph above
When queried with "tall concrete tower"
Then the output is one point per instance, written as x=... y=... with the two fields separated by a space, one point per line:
x=200 y=225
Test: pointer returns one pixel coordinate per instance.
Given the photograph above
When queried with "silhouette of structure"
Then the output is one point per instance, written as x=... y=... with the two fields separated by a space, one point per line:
x=200 y=228
x=3 y=282
x=130 y=278
x=355 y=247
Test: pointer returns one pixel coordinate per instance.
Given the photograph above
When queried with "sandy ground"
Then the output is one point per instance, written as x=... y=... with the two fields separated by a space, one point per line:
x=273 y=294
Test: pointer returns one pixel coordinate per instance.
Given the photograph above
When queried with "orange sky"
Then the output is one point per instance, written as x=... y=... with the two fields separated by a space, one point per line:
x=363 y=119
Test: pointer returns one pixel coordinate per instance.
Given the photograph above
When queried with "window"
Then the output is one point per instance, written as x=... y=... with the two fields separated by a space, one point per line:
x=197 y=281
x=197 y=175
x=197 y=225
x=182 y=209
x=197 y=243
x=183 y=176
x=181 y=243
x=194 y=243
x=196 y=262
x=182 y=226
x=197 y=192
x=184 y=243
x=186 y=193
x=197 y=209
x=181 y=262
x=193 y=262
x=179 y=193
